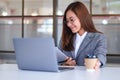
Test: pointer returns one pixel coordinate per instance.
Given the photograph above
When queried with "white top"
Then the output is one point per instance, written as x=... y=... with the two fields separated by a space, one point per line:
x=11 y=72
x=79 y=40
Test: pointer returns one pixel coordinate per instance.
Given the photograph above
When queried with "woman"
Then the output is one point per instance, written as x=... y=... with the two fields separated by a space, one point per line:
x=80 y=37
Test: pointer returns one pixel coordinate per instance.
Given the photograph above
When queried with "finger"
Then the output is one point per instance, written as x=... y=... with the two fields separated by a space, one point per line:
x=69 y=59
x=97 y=65
x=70 y=62
x=74 y=62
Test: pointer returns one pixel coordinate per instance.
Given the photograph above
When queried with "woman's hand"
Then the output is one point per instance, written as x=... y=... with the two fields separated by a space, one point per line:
x=70 y=62
x=97 y=65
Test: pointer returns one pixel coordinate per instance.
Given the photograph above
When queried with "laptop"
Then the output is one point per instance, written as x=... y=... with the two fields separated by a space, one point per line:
x=37 y=54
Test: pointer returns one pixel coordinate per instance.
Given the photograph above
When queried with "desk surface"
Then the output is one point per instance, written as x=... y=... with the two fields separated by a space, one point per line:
x=11 y=72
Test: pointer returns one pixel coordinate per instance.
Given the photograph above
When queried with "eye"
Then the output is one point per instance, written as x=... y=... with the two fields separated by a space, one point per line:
x=72 y=20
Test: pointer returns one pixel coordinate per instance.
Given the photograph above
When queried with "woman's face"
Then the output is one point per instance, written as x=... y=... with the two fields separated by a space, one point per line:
x=73 y=22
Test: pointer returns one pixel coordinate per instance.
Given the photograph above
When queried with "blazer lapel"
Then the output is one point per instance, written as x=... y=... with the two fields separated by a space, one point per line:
x=85 y=42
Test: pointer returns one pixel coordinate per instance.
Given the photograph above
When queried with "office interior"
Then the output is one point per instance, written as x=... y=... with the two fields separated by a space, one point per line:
x=43 y=18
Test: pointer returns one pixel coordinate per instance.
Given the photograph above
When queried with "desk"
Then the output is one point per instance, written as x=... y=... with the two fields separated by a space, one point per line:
x=11 y=72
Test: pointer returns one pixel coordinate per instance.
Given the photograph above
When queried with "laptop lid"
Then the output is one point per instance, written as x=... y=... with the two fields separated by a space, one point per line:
x=35 y=54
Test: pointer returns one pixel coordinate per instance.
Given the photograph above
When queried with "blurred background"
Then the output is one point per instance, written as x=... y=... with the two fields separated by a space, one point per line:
x=43 y=18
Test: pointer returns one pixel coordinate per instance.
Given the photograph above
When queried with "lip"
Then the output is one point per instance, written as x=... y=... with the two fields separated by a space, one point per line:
x=72 y=28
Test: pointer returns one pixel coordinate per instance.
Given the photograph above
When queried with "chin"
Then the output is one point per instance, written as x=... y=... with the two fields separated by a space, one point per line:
x=74 y=31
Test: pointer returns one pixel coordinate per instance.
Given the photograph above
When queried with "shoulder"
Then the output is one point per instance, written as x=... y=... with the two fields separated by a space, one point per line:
x=96 y=36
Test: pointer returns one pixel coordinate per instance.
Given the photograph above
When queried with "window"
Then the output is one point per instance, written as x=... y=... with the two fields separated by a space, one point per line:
x=37 y=18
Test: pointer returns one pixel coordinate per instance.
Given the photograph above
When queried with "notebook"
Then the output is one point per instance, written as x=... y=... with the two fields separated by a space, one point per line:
x=37 y=54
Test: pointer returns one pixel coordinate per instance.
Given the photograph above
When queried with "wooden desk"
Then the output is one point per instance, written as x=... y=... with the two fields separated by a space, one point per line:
x=11 y=72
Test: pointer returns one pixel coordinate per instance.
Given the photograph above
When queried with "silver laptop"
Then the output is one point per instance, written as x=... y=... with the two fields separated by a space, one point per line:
x=37 y=54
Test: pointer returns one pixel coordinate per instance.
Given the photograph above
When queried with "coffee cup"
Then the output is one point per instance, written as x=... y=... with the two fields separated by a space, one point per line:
x=90 y=62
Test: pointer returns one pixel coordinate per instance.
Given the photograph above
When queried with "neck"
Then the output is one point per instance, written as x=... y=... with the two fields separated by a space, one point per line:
x=81 y=32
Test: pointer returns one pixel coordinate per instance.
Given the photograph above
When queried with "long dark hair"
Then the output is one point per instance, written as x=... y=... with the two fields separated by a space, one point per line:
x=82 y=13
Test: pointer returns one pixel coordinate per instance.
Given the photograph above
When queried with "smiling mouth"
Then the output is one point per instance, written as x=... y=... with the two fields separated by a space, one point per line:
x=73 y=28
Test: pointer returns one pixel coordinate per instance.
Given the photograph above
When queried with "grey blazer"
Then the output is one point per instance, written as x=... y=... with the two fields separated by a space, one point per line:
x=93 y=43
